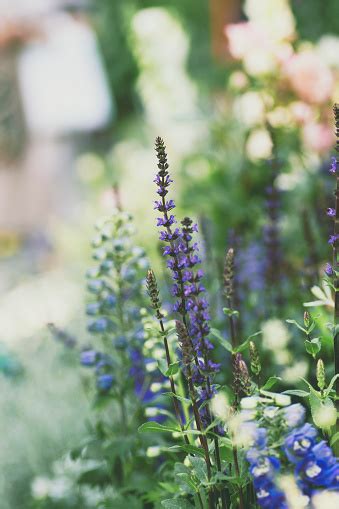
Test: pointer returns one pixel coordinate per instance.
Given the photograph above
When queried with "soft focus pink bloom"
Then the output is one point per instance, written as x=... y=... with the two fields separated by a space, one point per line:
x=283 y=52
x=318 y=137
x=242 y=37
x=301 y=112
x=309 y=77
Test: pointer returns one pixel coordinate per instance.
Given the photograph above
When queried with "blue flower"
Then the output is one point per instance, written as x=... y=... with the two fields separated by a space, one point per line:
x=120 y=342
x=88 y=358
x=264 y=469
x=110 y=301
x=299 y=442
x=257 y=436
x=93 y=308
x=269 y=496
x=100 y=325
x=320 y=467
x=294 y=415
x=96 y=285
x=105 y=382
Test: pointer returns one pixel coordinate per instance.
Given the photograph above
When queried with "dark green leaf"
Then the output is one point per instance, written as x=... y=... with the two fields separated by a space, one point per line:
x=189 y=449
x=271 y=382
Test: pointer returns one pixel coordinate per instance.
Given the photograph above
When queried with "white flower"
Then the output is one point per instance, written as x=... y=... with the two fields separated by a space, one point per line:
x=40 y=487
x=259 y=144
x=275 y=334
x=292 y=374
x=153 y=451
x=282 y=399
x=249 y=402
x=221 y=406
x=326 y=500
x=274 y=17
x=295 y=498
x=294 y=415
x=238 y=80
x=249 y=108
x=259 y=62
x=60 y=488
x=328 y=50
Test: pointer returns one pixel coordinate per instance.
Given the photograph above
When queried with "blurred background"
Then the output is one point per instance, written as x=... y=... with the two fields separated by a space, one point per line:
x=242 y=93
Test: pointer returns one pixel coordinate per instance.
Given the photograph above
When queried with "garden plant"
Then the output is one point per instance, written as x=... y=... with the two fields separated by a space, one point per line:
x=188 y=413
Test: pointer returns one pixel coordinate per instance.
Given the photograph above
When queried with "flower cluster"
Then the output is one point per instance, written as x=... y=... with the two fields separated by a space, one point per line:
x=280 y=443
x=114 y=315
x=301 y=76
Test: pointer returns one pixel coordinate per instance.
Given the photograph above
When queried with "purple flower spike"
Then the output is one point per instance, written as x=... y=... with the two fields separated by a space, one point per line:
x=330 y=212
x=329 y=270
x=333 y=238
x=333 y=168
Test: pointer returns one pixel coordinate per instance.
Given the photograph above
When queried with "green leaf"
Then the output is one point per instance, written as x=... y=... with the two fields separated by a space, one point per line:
x=244 y=345
x=224 y=342
x=323 y=412
x=230 y=312
x=189 y=449
x=335 y=438
x=187 y=483
x=313 y=347
x=180 y=398
x=294 y=322
x=297 y=392
x=270 y=382
x=155 y=427
x=176 y=503
x=330 y=385
x=312 y=389
x=170 y=370
x=199 y=468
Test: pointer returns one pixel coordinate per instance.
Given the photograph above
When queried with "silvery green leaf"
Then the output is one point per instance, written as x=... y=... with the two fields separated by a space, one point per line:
x=176 y=503
x=297 y=392
x=199 y=468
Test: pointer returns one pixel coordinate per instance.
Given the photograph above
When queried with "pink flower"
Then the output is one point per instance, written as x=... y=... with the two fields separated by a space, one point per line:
x=318 y=137
x=309 y=77
x=301 y=112
x=242 y=38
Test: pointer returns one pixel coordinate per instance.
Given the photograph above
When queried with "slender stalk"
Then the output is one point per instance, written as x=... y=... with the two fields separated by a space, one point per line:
x=171 y=379
x=228 y=286
x=153 y=292
x=336 y=268
x=200 y=500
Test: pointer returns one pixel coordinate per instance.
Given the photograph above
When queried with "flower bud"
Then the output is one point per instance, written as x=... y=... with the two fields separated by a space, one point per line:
x=321 y=379
x=307 y=319
x=255 y=359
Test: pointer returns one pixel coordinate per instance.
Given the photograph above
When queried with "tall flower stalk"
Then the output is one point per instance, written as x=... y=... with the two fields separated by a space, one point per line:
x=239 y=368
x=334 y=270
x=190 y=304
